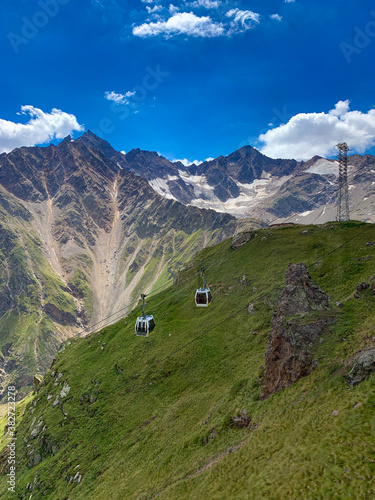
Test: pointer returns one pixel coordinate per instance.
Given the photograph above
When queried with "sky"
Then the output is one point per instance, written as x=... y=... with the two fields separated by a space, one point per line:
x=192 y=79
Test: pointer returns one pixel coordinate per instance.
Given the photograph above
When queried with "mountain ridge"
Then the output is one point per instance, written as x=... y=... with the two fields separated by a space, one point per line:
x=247 y=183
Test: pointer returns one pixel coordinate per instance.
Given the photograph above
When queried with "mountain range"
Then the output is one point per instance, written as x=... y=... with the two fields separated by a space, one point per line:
x=247 y=183
x=84 y=229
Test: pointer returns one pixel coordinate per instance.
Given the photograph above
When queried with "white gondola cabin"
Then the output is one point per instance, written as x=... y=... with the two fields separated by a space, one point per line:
x=203 y=295
x=145 y=323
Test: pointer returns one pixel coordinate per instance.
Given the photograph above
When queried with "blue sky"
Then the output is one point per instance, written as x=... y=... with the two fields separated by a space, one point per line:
x=227 y=74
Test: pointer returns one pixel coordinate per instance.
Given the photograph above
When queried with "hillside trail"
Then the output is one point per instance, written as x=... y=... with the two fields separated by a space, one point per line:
x=209 y=464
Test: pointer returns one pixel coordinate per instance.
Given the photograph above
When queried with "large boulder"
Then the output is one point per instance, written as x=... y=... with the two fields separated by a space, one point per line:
x=364 y=365
x=288 y=355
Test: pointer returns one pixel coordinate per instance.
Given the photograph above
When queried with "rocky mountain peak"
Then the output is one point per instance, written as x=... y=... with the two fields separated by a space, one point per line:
x=149 y=164
x=94 y=142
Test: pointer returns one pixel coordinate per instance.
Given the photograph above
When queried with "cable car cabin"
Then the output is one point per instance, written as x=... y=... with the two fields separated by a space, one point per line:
x=144 y=326
x=203 y=297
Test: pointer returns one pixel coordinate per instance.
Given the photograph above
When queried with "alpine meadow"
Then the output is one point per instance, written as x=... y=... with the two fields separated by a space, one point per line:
x=187 y=250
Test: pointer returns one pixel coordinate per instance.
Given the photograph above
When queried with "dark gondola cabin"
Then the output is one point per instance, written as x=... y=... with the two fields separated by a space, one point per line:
x=145 y=323
x=203 y=295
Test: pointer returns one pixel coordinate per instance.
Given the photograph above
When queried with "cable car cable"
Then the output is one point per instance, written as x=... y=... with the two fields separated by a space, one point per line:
x=134 y=377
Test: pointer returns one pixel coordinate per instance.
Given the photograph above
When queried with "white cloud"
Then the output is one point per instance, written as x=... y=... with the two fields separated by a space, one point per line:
x=309 y=134
x=172 y=8
x=184 y=23
x=187 y=163
x=41 y=128
x=118 y=98
x=155 y=8
x=242 y=20
x=276 y=17
x=289 y=1
x=207 y=4
x=341 y=108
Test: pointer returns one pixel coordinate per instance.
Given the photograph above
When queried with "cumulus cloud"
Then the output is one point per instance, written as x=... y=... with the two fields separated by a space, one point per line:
x=289 y=1
x=118 y=98
x=277 y=17
x=242 y=20
x=341 y=108
x=183 y=23
x=41 y=128
x=309 y=134
x=207 y=4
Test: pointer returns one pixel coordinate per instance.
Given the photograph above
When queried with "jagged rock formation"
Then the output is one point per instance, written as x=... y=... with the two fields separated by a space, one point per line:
x=364 y=365
x=301 y=294
x=293 y=334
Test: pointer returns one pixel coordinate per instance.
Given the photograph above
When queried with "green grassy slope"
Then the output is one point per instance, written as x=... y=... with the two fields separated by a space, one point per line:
x=29 y=336
x=151 y=417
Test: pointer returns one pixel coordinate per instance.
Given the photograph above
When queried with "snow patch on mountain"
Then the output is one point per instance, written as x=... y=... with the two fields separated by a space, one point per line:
x=161 y=186
x=324 y=167
x=250 y=194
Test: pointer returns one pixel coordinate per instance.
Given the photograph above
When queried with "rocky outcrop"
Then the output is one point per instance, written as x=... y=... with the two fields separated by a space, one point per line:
x=37 y=381
x=288 y=355
x=240 y=239
x=301 y=294
x=364 y=286
x=364 y=365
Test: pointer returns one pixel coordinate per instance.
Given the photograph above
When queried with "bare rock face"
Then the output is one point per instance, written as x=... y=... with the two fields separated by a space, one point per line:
x=364 y=365
x=240 y=239
x=56 y=314
x=288 y=354
x=301 y=294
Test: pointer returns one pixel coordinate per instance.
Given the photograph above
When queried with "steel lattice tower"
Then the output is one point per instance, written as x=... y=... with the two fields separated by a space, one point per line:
x=343 y=194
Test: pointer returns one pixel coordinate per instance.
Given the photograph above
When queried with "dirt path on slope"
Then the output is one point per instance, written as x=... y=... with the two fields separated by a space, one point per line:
x=205 y=467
